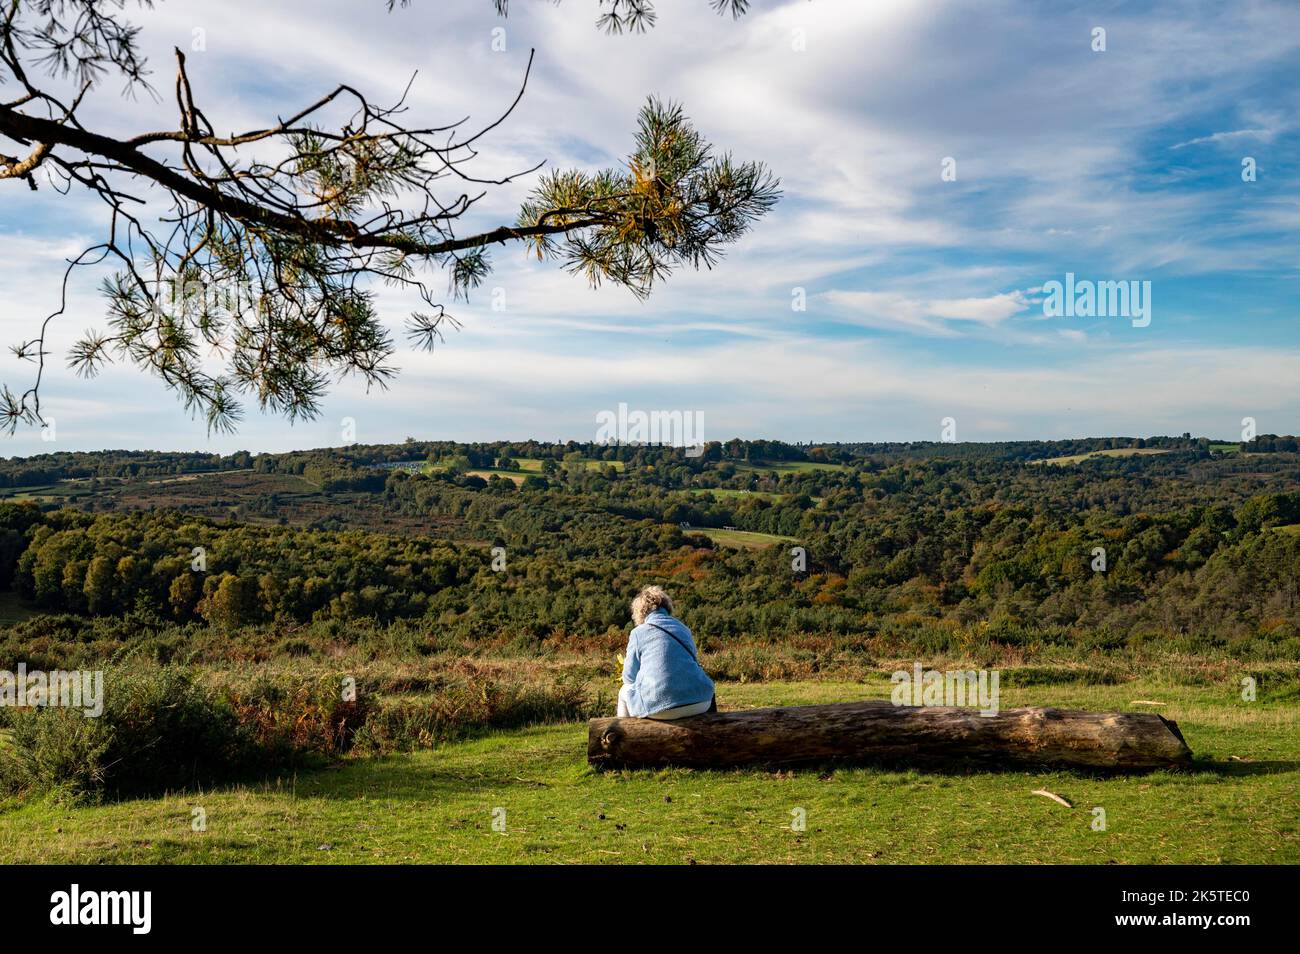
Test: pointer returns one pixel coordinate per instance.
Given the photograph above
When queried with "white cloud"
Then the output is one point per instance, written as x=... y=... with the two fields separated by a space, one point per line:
x=1227 y=136
x=893 y=310
x=986 y=311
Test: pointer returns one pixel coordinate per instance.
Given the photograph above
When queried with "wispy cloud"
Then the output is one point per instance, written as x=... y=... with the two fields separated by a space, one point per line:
x=1264 y=135
x=940 y=316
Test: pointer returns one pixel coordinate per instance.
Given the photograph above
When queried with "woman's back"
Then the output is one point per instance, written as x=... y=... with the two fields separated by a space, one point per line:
x=661 y=670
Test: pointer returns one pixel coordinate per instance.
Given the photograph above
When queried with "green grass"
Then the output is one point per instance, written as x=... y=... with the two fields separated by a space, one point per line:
x=1116 y=452
x=13 y=609
x=33 y=492
x=64 y=492
x=533 y=465
x=741 y=539
x=515 y=476
x=437 y=806
x=526 y=466
x=786 y=466
x=725 y=494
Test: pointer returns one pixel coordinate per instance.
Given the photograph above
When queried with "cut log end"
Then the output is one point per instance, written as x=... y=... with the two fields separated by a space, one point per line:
x=878 y=731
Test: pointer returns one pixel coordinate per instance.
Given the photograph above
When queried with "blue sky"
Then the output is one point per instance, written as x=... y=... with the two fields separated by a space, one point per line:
x=923 y=295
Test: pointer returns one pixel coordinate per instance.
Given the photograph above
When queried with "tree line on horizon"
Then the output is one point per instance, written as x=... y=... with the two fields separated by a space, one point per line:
x=41 y=469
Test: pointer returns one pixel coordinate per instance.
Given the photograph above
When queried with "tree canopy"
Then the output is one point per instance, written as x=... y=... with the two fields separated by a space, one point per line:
x=930 y=546
x=265 y=246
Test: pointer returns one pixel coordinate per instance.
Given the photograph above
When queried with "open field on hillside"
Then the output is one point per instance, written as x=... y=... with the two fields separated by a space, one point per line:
x=248 y=497
x=740 y=539
x=1116 y=452
x=724 y=494
x=524 y=467
x=787 y=466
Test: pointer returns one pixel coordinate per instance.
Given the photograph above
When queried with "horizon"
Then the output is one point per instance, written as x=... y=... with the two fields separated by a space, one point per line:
x=918 y=442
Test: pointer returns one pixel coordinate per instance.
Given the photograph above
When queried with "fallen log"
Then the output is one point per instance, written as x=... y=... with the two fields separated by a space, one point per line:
x=878 y=730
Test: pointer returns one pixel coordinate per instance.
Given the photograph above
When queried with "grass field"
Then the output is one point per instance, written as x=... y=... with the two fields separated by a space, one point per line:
x=516 y=476
x=439 y=805
x=1116 y=452
x=725 y=494
x=741 y=539
x=64 y=492
x=527 y=465
x=786 y=466
x=35 y=492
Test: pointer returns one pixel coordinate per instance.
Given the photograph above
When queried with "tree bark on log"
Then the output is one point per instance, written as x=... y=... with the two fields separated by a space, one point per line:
x=878 y=730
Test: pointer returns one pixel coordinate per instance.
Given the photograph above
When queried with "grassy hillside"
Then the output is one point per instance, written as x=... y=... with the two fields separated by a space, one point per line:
x=1117 y=452
x=438 y=806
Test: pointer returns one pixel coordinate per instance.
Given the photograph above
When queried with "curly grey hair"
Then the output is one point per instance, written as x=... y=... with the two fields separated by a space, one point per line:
x=648 y=600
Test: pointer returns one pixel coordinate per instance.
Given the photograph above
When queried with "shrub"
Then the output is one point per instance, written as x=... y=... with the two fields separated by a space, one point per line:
x=58 y=751
x=286 y=715
x=464 y=707
x=160 y=730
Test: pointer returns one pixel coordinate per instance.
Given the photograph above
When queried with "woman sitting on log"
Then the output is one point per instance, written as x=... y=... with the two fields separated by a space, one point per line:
x=662 y=678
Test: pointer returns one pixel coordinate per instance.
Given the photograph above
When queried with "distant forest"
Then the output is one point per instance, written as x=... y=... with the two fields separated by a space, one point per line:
x=1172 y=542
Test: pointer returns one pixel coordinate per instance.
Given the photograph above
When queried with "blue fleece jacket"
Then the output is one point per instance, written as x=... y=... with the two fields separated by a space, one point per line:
x=662 y=670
